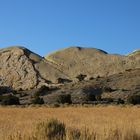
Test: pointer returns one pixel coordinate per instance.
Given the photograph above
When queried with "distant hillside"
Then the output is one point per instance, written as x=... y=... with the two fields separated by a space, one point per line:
x=21 y=69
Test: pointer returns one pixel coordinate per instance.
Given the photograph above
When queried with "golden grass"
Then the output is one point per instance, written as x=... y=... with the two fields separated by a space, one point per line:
x=104 y=121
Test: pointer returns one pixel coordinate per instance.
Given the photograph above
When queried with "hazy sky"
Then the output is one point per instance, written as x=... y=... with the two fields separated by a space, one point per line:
x=47 y=25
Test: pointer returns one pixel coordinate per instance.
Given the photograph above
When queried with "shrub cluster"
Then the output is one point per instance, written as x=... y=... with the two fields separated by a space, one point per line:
x=120 y=101
x=134 y=99
x=9 y=100
x=98 y=97
x=51 y=130
x=90 y=97
x=38 y=100
x=64 y=98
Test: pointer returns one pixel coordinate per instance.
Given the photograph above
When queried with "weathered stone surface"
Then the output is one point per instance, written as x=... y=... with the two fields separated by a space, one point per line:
x=16 y=70
x=23 y=69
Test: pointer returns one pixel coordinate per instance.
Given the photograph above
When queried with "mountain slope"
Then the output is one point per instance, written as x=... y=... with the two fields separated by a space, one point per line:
x=22 y=69
x=92 y=62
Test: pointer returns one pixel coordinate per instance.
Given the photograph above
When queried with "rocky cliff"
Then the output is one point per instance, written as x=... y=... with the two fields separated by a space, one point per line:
x=22 y=69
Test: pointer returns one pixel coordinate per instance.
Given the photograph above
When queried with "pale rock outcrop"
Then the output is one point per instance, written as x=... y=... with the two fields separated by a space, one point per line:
x=23 y=69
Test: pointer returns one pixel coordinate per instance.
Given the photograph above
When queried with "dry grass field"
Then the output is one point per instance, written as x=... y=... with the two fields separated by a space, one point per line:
x=100 y=122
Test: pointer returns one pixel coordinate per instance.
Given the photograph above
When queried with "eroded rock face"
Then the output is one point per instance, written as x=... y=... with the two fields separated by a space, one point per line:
x=16 y=70
x=23 y=69
x=92 y=62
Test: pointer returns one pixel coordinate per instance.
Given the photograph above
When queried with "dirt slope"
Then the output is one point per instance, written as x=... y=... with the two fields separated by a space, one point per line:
x=92 y=62
x=22 y=69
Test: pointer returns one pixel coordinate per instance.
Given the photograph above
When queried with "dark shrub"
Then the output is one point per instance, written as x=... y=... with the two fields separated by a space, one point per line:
x=51 y=130
x=90 y=97
x=10 y=100
x=38 y=100
x=39 y=91
x=107 y=89
x=1 y=98
x=109 y=100
x=43 y=87
x=48 y=82
x=63 y=98
x=134 y=99
x=43 y=90
x=62 y=80
x=5 y=89
x=98 y=98
x=81 y=77
x=37 y=94
x=120 y=101
x=82 y=97
x=91 y=78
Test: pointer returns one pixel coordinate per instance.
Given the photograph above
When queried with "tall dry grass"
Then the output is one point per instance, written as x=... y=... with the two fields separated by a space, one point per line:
x=81 y=123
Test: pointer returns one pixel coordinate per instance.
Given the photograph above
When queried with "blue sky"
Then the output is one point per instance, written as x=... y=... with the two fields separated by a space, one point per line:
x=47 y=25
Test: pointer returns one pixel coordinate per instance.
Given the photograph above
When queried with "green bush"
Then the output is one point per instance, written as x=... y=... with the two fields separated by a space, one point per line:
x=9 y=100
x=64 y=98
x=134 y=99
x=51 y=130
x=38 y=100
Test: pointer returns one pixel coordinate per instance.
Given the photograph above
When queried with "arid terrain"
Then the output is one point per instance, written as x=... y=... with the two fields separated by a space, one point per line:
x=70 y=75
x=71 y=94
x=22 y=69
x=101 y=122
x=69 y=69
